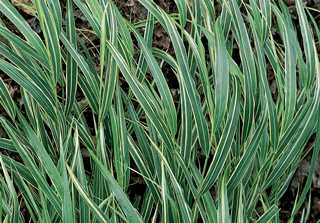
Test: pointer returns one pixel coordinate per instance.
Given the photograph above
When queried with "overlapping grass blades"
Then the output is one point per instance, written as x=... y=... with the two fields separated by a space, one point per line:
x=91 y=131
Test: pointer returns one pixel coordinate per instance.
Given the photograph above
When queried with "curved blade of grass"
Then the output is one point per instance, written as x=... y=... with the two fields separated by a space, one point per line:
x=268 y=215
x=141 y=141
x=130 y=212
x=15 y=215
x=248 y=157
x=19 y=169
x=164 y=195
x=14 y=16
x=225 y=143
x=31 y=199
x=95 y=8
x=56 y=12
x=24 y=46
x=248 y=62
x=94 y=23
x=307 y=43
x=71 y=69
x=189 y=85
x=221 y=69
x=186 y=128
x=50 y=31
x=67 y=205
x=84 y=215
x=267 y=96
x=6 y=101
x=39 y=149
x=148 y=36
x=7 y=145
x=95 y=209
x=168 y=105
x=144 y=96
x=30 y=163
x=290 y=87
x=223 y=211
x=184 y=209
x=306 y=128
x=143 y=167
x=314 y=158
x=26 y=65
x=33 y=85
x=120 y=142
x=182 y=9
x=88 y=81
x=111 y=73
x=184 y=74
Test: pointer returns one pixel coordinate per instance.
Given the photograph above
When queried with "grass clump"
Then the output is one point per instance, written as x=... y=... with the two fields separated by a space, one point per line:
x=98 y=135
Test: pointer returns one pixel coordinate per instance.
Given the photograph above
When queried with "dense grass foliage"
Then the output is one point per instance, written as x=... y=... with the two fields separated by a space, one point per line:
x=98 y=136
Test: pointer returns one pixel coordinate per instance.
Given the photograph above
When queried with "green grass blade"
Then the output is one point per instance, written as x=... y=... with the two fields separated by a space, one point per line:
x=225 y=143
x=33 y=85
x=13 y=15
x=51 y=34
x=130 y=212
x=6 y=101
x=71 y=69
x=221 y=68
x=95 y=209
x=268 y=215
